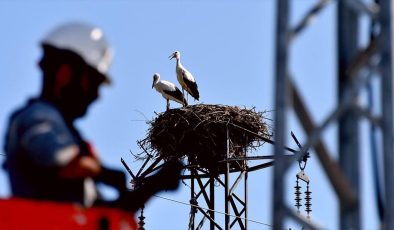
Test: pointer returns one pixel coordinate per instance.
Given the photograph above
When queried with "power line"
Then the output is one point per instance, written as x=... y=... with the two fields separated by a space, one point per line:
x=208 y=209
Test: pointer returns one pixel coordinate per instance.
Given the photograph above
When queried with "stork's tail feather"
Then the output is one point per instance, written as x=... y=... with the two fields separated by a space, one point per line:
x=194 y=92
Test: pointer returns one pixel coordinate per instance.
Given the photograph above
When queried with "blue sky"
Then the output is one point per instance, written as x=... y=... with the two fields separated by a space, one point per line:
x=229 y=48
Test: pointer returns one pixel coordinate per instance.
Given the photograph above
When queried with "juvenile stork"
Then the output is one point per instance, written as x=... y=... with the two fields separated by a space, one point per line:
x=168 y=90
x=185 y=78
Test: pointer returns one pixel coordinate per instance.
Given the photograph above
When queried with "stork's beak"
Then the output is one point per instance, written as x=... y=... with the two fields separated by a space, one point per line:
x=153 y=84
x=171 y=56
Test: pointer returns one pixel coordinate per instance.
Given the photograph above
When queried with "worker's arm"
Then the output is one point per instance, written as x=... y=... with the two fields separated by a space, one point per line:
x=167 y=178
x=81 y=167
x=87 y=164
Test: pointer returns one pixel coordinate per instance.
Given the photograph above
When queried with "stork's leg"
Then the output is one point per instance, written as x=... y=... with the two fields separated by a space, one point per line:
x=168 y=104
x=183 y=94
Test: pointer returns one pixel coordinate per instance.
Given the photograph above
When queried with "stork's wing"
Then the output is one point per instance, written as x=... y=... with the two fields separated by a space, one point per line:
x=176 y=96
x=191 y=84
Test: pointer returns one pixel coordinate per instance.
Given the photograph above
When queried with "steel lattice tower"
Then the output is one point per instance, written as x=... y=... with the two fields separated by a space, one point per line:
x=353 y=61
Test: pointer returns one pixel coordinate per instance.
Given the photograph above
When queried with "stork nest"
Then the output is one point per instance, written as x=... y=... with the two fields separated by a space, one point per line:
x=199 y=132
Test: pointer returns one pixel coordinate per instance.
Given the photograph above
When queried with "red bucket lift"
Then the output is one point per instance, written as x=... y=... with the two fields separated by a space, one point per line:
x=21 y=214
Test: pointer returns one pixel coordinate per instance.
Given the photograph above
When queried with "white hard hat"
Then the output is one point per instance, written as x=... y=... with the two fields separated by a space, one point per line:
x=85 y=40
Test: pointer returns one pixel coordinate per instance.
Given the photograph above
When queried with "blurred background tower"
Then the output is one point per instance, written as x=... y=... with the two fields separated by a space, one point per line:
x=357 y=66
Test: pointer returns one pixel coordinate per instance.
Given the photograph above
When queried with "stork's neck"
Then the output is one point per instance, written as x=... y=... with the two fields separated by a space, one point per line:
x=178 y=62
x=156 y=82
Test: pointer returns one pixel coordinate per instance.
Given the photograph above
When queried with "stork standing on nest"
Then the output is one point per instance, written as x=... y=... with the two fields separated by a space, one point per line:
x=185 y=78
x=168 y=90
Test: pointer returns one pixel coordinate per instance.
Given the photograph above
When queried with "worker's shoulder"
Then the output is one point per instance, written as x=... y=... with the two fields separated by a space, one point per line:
x=36 y=111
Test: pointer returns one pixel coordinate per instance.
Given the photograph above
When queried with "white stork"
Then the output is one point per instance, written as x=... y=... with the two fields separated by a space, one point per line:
x=185 y=78
x=168 y=90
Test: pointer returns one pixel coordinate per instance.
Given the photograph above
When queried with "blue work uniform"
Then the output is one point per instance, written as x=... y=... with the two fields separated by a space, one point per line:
x=38 y=143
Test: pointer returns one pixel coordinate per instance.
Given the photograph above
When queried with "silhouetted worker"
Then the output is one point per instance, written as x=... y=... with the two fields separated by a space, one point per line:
x=47 y=158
